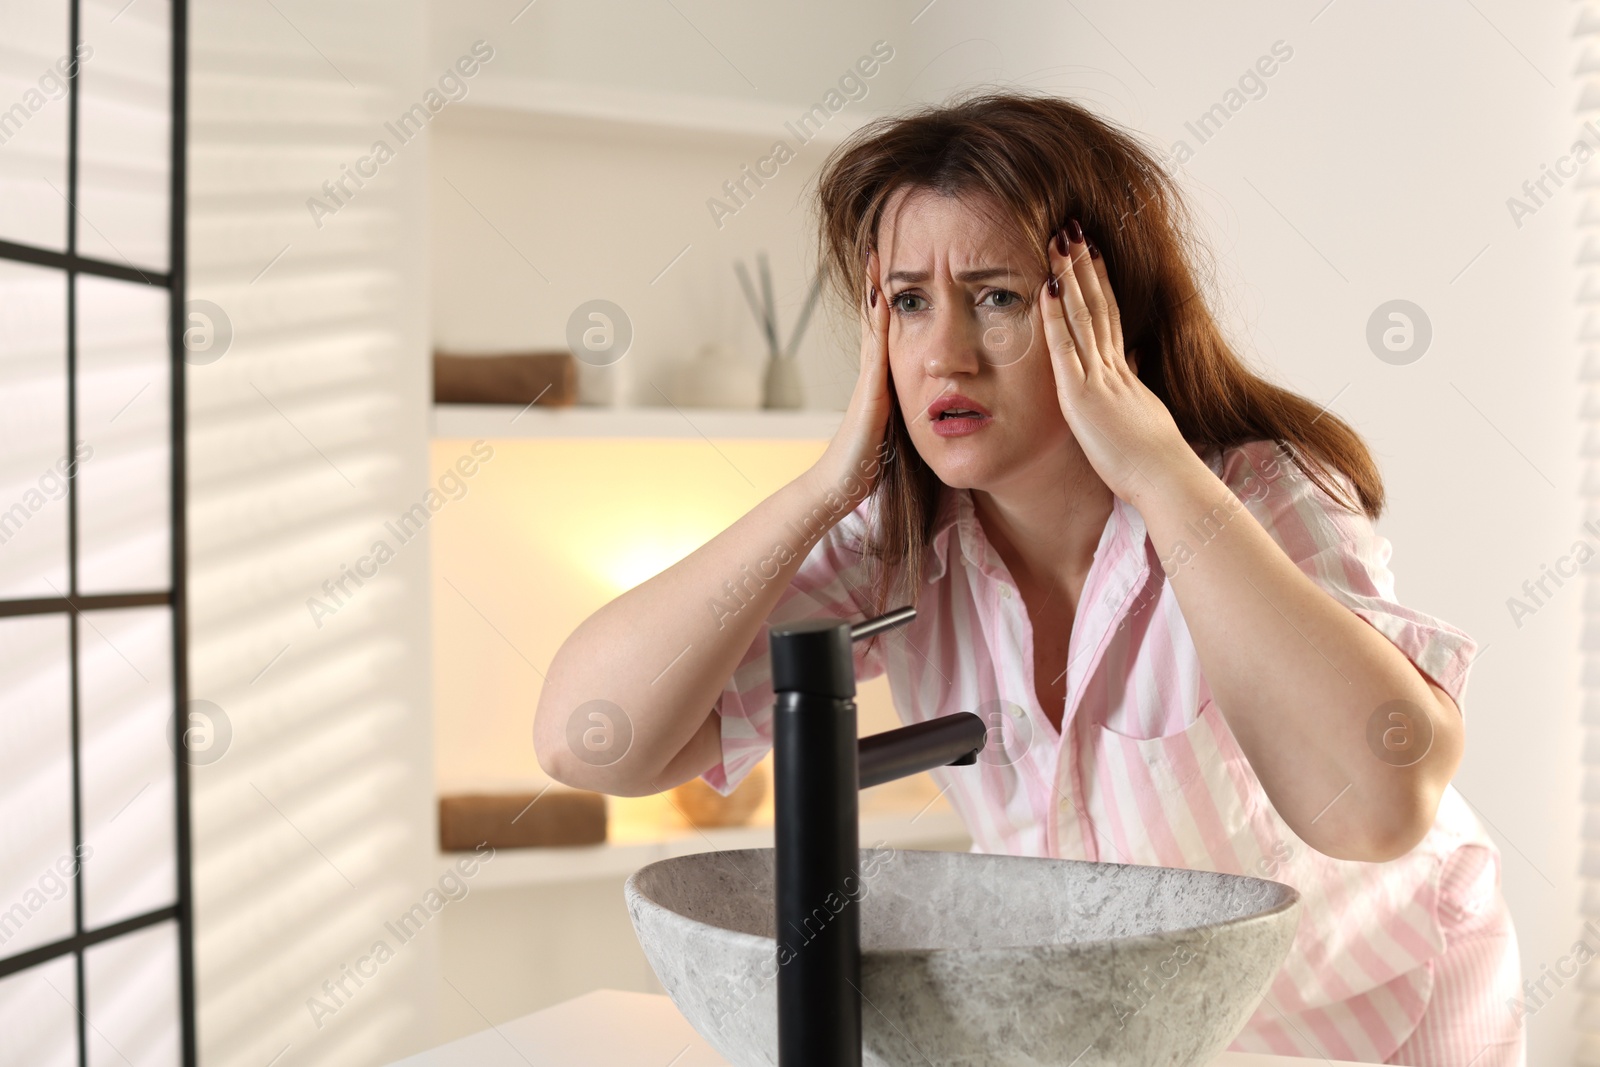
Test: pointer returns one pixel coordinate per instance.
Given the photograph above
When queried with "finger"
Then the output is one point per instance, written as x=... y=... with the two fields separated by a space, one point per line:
x=1113 y=312
x=1086 y=303
x=1074 y=314
x=1095 y=295
x=870 y=299
x=1068 y=364
x=875 y=329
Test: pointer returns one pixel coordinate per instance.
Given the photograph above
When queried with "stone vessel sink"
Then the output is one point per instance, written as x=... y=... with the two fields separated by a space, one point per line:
x=974 y=960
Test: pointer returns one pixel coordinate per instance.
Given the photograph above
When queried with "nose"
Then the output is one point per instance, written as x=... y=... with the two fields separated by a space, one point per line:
x=955 y=345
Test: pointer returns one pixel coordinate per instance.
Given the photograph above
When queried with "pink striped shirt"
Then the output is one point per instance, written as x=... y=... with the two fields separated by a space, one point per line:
x=1145 y=769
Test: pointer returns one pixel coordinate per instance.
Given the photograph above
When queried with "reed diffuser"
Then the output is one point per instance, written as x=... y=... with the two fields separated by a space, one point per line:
x=781 y=384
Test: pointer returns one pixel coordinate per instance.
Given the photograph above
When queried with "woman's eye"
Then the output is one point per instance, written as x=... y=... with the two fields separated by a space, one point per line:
x=1003 y=298
x=901 y=301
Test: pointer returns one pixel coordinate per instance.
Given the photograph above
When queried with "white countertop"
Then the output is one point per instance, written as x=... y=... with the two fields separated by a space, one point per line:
x=609 y=1028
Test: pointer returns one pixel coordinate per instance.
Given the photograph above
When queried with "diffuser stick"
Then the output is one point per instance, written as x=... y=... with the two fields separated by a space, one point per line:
x=805 y=316
x=766 y=302
x=756 y=307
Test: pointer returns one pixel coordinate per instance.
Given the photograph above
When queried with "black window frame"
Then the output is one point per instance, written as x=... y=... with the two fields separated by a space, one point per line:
x=175 y=597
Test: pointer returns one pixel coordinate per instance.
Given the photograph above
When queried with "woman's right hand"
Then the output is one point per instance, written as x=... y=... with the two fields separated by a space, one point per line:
x=854 y=458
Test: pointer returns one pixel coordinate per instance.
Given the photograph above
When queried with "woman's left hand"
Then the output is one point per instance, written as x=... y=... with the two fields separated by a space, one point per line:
x=1124 y=429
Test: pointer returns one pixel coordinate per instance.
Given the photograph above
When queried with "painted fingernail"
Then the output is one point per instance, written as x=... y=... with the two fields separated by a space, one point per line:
x=1094 y=252
x=1074 y=230
x=1061 y=241
x=1052 y=286
x=872 y=297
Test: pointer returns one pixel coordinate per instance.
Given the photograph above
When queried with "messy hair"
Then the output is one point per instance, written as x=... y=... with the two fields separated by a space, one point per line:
x=1042 y=160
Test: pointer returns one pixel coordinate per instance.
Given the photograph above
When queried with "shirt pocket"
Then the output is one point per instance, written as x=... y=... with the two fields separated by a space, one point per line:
x=1183 y=800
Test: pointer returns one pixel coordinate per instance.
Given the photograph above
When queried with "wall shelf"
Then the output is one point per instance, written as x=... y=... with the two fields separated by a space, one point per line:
x=897 y=820
x=534 y=105
x=499 y=421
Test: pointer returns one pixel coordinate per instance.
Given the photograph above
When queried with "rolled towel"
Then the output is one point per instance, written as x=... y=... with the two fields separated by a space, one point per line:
x=556 y=818
x=545 y=378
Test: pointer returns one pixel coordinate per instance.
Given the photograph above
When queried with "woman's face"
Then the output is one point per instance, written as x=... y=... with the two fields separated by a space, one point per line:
x=964 y=319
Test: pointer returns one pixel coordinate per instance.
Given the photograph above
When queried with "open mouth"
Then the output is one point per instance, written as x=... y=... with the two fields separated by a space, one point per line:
x=952 y=406
x=954 y=415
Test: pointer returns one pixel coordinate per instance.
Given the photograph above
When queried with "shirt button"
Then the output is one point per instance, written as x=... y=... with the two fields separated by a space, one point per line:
x=1005 y=591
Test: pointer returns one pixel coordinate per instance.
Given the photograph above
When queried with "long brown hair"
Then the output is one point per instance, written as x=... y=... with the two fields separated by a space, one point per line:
x=1043 y=160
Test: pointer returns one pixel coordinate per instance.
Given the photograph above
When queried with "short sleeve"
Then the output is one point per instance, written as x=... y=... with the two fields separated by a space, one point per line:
x=832 y=582
x=1343 y=553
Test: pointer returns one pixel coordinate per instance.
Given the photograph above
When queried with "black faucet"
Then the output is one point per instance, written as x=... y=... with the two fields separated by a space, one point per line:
x=819 y=767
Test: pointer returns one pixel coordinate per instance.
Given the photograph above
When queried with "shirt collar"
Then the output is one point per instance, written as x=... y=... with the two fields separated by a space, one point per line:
x=956 y=513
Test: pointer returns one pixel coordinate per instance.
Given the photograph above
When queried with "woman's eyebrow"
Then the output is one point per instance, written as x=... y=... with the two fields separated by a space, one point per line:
x=977 y=275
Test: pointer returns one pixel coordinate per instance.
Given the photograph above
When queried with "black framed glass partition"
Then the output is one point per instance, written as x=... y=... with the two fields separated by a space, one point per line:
x=95 y=913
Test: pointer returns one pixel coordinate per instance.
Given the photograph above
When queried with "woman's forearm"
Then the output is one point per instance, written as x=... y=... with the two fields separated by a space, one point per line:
x=1299 y=677
x=658 y=655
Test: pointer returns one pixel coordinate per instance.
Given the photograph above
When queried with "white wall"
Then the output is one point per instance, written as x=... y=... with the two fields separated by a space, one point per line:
x=536 y=217
x=1375 y=167
x=315 y=828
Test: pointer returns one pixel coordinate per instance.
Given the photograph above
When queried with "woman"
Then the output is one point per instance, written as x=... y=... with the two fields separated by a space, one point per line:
x=1152 y=571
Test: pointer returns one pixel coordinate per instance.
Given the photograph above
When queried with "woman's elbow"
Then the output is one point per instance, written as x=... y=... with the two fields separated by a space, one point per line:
x=1404 y=816
x=591 y=748
x=1380 y=832
x=550 y=750
x=552 y=741
x=1394 y=837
